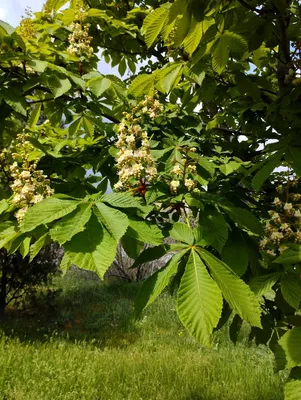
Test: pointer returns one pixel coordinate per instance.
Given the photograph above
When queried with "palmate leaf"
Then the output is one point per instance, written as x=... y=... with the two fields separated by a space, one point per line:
x=292 y=390
x=71 y=224
x=235 y=42
x=131 y=246
x=199 y=300
x=266 y=170
x=151 y=254
x=157 y=282
x=214 y=229
x=99 y=85
x=182 y=233
x=58 y=86
x=8 y=232
x=239 y=296
x=195 y=34
x=122 y=200
x=290 y=343
x=3 y=206
x=291 y=290
x=115 y=221
x=47 y=211
x=220 y=55
x=94 y=249
x=153 y=24
x=243 y=218
x=235 y=253
x=145 y=232
x=170 y=76
x=262 y=284
x=289 y=256
x=36 y=247
x=293 y=155
x=143 y=83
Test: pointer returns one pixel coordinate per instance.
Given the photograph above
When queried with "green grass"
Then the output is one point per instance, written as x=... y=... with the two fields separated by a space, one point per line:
x=90 y=347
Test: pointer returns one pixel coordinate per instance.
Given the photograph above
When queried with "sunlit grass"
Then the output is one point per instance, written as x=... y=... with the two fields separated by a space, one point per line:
x=90 y=347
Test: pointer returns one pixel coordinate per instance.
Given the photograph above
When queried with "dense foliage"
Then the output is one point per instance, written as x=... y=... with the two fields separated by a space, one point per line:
x=21 y=279
x=189 y=139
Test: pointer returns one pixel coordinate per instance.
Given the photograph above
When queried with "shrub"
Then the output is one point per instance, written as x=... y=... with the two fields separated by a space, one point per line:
x=20 y=278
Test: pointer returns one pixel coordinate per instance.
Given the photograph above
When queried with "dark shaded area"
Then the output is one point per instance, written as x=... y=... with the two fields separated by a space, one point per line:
x=85 y=310
x=20 y=278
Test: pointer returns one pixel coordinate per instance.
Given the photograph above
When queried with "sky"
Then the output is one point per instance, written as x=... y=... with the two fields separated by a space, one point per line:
x=11 y=11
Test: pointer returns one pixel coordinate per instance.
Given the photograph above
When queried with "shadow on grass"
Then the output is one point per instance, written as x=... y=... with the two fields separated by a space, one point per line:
x=91 y=311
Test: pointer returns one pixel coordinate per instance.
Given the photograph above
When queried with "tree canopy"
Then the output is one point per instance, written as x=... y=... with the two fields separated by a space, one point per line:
x=186 y=142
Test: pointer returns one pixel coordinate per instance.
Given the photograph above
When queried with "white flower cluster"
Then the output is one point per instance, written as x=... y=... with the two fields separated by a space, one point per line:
x=284 y=225
x=80 y=41
x=30 y=186
x=183 y=174
x=27 y=28
x=135 y=162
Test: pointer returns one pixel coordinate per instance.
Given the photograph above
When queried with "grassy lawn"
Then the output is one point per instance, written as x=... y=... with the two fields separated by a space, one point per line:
x=90 y=347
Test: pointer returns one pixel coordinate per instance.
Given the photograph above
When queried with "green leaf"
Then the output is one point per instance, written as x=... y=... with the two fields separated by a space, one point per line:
x=36 y=247
x=99 y=85
x=3 y=206
x=245 y=85
x=290 y=343
x=88 y=126
x=195 y=34
x=56 y=4
x=122 y=200
x=262 y=284
x=230 y=167
x=8 y=28
x=289 y=256
x=235 y=42
x=153 y=24
x=220 y=55
x=145 y=232
x=151 y=254
x=115 y=221
x=71 y=224
x=17 y=103
x=47 y=211
x=24 y=247
x=75 y=126
x=235 y=253
x=266 y=170
x=34 y=116
x=214 y=230
x=291 y=290
x=142 y=84
x=58 y=86
x=182 y=233
x=122 y=67
x=37 y=65
x=244 y=218
x=239 y=296
x=199 y=300
x=131 y=246
x=293 y=155
x=94 y=249
x=8 y=231
x=292 y=390
x=170 y=76
x=156 y=283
